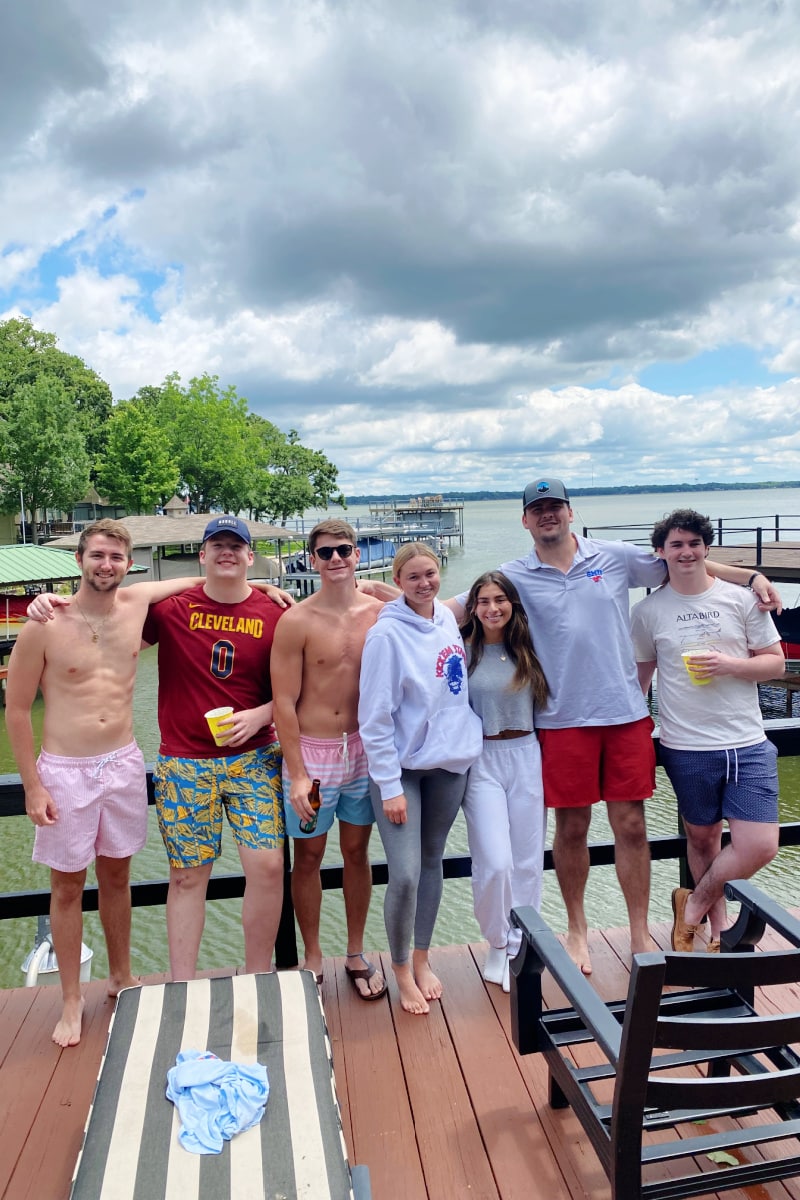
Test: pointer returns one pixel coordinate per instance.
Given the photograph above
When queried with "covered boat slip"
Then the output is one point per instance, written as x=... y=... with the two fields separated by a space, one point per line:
x=435 y=1107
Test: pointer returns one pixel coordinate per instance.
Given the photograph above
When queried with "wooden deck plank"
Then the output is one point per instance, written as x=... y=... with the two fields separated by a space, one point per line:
x=578 y=1163
x=14 y=1006
x=26 y=1075
x=508 y=1123
x=70 y=1092
x=437 y=1107
x=451 y=1152
x=369 y=1072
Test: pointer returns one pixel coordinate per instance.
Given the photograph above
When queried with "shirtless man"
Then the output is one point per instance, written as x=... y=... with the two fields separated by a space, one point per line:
x=87 y=793
x=316 y=663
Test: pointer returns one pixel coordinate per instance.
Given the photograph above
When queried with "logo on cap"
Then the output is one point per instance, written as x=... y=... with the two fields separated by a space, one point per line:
x=543 y=487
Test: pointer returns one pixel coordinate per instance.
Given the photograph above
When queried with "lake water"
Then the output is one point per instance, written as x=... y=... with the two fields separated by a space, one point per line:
x=493 y=534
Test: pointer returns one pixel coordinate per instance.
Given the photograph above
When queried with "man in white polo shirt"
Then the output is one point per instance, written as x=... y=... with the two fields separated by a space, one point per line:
x=711 y=646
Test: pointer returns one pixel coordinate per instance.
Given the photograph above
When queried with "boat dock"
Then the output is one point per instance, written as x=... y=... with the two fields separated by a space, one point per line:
x=438 y=1107
x=430 y=519
x=421 y=517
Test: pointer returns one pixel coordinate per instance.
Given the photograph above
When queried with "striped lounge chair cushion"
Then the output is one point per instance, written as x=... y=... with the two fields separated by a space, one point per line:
x=130 y=1149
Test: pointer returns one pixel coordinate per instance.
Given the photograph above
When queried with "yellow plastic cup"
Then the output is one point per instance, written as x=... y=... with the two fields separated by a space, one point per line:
x=692 y=671
x=219 y=722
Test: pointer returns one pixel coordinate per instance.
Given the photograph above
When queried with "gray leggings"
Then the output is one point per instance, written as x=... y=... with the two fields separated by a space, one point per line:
x=414 y=855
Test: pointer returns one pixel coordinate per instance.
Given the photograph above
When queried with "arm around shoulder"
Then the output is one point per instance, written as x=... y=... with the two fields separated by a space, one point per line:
x=768 y=596
x=379 y=589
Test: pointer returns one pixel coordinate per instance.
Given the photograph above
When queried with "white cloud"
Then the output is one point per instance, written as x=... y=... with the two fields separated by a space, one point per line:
x=438 y=241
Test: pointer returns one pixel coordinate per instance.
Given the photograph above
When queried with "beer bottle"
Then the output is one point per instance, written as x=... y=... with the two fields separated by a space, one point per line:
x=315 y=800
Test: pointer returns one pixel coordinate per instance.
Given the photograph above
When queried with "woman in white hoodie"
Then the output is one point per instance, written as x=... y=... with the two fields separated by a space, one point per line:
x=420 y=737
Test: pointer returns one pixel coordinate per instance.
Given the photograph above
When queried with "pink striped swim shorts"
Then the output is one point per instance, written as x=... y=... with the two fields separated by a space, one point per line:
x=102 y=808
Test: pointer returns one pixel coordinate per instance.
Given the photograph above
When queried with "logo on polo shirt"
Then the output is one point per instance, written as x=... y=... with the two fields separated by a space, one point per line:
x=596 y=574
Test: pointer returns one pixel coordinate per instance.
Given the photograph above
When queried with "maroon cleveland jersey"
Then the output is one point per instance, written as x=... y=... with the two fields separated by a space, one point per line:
x=209 y=655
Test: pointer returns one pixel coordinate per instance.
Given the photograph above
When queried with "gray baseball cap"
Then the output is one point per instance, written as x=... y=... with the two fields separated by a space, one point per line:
x=544 y=489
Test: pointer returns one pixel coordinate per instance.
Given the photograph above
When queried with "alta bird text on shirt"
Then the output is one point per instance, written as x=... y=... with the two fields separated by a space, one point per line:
x=221 y=623
x=699 y=616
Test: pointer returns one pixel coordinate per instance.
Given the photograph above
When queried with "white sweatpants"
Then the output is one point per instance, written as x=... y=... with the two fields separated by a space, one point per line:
x=506 y=821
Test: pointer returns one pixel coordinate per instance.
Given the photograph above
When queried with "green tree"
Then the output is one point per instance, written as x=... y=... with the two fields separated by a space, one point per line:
x=231 y=458
x=138 y=470
x=27 y=353
x=290 y=477
x=43 y=450
x=210 y=440
x=21 y=350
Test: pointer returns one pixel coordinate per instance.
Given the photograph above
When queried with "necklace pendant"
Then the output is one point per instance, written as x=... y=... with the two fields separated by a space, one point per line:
x=95 y=637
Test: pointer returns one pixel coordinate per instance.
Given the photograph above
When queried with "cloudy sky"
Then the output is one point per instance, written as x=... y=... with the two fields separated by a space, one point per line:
x=454 y=244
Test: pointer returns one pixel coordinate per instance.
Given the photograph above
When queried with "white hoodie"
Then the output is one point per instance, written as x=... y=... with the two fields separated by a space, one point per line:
x=413 y=711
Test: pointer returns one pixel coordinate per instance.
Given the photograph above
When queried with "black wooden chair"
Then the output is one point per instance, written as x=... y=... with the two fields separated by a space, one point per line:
x=708 y=1050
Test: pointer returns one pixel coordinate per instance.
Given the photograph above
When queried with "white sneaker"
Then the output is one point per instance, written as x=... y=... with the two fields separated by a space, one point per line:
x=507 y=975
x=495 y=964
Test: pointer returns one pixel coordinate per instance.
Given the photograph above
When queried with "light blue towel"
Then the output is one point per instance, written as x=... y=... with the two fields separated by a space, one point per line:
x=215 y=1099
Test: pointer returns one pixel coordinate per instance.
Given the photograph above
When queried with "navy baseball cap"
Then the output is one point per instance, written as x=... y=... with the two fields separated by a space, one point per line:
x=544 y=489
x=228 y=524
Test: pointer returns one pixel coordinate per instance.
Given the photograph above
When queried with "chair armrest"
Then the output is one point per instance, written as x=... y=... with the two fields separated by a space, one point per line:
x=758 y=910
x=539 y=940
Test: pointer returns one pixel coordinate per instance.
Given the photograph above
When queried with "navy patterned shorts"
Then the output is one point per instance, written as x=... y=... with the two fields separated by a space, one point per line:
x=712 y=785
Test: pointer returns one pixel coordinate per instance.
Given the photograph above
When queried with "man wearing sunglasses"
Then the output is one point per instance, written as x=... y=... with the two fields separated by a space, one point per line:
x=316 y=664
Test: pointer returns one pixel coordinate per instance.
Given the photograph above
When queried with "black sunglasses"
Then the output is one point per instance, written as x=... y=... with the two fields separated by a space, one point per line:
x=326 y=552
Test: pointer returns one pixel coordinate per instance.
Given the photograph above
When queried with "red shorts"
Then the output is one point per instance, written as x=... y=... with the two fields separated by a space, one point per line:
x=598 y=762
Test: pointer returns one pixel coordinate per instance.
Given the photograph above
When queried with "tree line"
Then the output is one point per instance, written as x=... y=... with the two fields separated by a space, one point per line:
x=61 y=432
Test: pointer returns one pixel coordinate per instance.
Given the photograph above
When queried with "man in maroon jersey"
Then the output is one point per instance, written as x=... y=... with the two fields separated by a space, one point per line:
x=214 y=646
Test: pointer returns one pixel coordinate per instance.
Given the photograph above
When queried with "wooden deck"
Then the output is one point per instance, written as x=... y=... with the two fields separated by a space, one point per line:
x=779 y=560
x=438 y=1107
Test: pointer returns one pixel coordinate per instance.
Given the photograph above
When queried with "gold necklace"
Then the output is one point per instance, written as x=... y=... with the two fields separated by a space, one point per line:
x=96 y=631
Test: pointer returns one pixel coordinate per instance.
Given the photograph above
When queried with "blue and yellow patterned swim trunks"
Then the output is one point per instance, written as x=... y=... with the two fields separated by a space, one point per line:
x=191 y=794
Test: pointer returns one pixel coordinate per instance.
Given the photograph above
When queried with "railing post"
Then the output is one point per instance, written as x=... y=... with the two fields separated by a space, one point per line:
x=759 y=541
x=777 y=527
x=286 y=941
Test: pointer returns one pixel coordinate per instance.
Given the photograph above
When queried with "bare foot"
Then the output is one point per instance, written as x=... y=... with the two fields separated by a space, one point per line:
x=642 y=945
x=578 y=950
x=427 y=982
x=411 y=998
x=115 y=986
x=313 y=962
x=68 y=1030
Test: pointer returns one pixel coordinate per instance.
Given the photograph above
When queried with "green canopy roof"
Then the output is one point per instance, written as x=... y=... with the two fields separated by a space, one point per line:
x=20 y=565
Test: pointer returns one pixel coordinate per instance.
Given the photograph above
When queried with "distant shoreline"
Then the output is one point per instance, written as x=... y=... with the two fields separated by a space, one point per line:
x=624 y=490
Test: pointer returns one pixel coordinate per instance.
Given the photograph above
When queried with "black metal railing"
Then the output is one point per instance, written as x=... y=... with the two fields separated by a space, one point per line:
x=784 y=734
x=730 y=531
